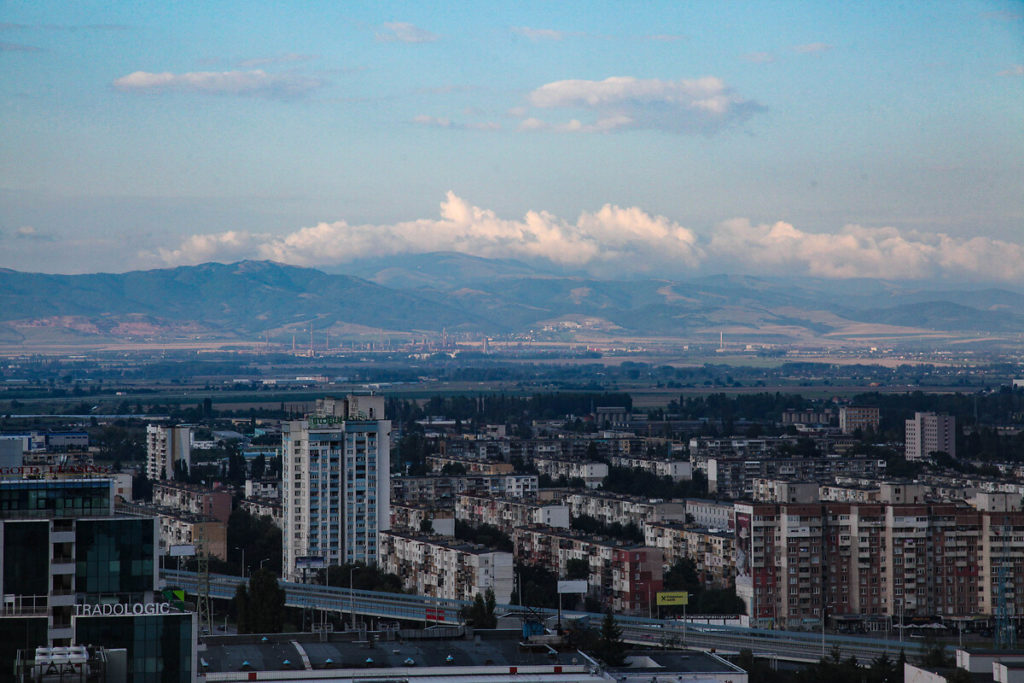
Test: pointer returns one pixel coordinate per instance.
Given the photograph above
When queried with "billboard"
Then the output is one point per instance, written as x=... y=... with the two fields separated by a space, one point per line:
x=673 y=598
x=744 y=541
x=578 y=586
x=310 y=562
x=185 y=550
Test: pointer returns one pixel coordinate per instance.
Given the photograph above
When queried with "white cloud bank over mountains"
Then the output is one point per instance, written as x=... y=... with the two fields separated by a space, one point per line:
x=623 y=242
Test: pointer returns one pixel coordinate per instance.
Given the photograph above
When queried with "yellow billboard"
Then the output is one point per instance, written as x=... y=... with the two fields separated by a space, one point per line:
x=673 y=598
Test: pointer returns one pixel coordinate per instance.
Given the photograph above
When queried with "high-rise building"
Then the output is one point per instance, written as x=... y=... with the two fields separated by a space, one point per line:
x=75 y=572
x=165 y=448
x=864 y=418
x=336 y=484
x=928 y=433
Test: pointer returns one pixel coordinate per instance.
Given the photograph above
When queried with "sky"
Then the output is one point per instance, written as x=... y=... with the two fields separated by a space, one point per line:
x=621 y=139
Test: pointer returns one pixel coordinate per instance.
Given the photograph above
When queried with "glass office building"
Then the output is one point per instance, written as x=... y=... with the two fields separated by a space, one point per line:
x=76 y=572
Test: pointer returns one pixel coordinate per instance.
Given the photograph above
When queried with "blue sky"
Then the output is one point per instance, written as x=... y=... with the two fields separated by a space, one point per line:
x=830 y=139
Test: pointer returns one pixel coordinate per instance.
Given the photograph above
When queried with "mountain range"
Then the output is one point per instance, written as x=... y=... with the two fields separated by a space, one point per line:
x=421 y=295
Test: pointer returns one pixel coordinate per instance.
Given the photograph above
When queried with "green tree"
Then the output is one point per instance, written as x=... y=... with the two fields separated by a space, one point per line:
x=577 y=569
x=481 y=613
x=260 y=606
x=610 y=647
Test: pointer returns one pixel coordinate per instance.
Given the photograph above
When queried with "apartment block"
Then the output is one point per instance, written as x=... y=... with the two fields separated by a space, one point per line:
x=592 y=473
x=336 y=491
x=509 y=513
x=439 y=488
x=677 y=470
x=711 y=514
x=623 y=577
x=194 y=499
x=615 y=508
x=410 y=517
x=930 y=432
x=166 y=447
x=445 y=568
x=734 y=477
x=864 y=418
x=437 y=463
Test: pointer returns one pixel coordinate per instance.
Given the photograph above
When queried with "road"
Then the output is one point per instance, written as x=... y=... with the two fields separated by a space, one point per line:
x=787 y=645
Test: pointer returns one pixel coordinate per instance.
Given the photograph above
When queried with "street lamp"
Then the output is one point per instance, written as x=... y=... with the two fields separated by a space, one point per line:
x=351 y=598
x=265 y=559
x=242 y=548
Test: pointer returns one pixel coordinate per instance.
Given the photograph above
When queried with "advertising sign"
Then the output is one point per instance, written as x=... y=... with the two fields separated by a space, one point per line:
x=577 y=586
x=673 y=598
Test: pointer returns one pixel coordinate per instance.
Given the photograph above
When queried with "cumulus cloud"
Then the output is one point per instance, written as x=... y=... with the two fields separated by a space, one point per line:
x=18 y=47
x=402 y=32
x=607 y=240
x=254 y=83
x=289 y=58
x=857 y=251
x=812 y=48
x=536 y=34
x=445 y=122
x=1015 y=70
x=701 y=105
x=28 y=232
x=623 y=241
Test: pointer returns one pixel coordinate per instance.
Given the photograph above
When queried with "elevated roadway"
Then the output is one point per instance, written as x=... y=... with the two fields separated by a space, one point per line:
x=786 y=645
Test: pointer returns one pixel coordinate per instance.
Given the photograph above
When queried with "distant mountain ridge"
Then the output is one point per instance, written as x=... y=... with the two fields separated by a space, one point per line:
x=423 y=294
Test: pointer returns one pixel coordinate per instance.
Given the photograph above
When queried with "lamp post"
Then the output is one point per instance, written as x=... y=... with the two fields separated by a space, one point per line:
x=265 y=559
x=242 y=548
x=351 y=598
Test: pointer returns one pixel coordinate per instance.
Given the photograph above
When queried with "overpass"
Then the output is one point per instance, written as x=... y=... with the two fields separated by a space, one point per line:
x=787 y=645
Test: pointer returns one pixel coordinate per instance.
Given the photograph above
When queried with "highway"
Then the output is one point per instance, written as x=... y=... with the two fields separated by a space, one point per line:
x=788 y=645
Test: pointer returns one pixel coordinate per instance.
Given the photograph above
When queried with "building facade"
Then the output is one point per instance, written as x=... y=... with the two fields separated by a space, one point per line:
x=928 y=433
x=74 y=572
x=166 y=447
x=336 y=489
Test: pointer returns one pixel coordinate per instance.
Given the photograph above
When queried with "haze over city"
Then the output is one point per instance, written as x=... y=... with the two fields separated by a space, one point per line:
x=662 y=139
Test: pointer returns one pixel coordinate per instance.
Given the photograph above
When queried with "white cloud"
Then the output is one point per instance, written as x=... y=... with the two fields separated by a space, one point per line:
x=812 y=48
x=683 y=106
x=623 y=241
x=608 y=240
x=289 y=58
x=28 y=232
x=759 y=57
x=255 y=83
x=224 y=246
x=1015 y=70
x=857 y=251
x=538 y=33
x=666 y=37
x=402 y=32
x=445 y=122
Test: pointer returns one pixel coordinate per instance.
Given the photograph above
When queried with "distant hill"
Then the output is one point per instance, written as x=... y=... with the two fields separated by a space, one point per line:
x=422 y=294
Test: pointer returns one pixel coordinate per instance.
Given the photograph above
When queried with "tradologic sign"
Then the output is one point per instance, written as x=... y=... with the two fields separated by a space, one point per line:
x=673 y=598
x=123 y=609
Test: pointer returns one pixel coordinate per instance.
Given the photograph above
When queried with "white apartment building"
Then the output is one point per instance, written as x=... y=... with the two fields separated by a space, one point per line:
x=509 y=513
x=930 y=432
x=592 y=473
x=165 y=447
x=445 y=568
x=336 y=491
x=611 y=508
x=678 y=470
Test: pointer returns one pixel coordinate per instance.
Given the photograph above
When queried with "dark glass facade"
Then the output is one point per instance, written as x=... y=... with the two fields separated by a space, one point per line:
x=160 y=647
x=19 y=633
x=54 y=498
x=114 y=555
x=26 y=558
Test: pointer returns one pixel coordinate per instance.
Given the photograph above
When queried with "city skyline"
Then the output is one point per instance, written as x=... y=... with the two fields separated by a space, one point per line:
x=666 y=140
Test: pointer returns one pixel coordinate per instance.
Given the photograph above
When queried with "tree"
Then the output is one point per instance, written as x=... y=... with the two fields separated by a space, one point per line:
x=481 y=613
x=610 y=647
x=260 y=607
x=577 y=569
